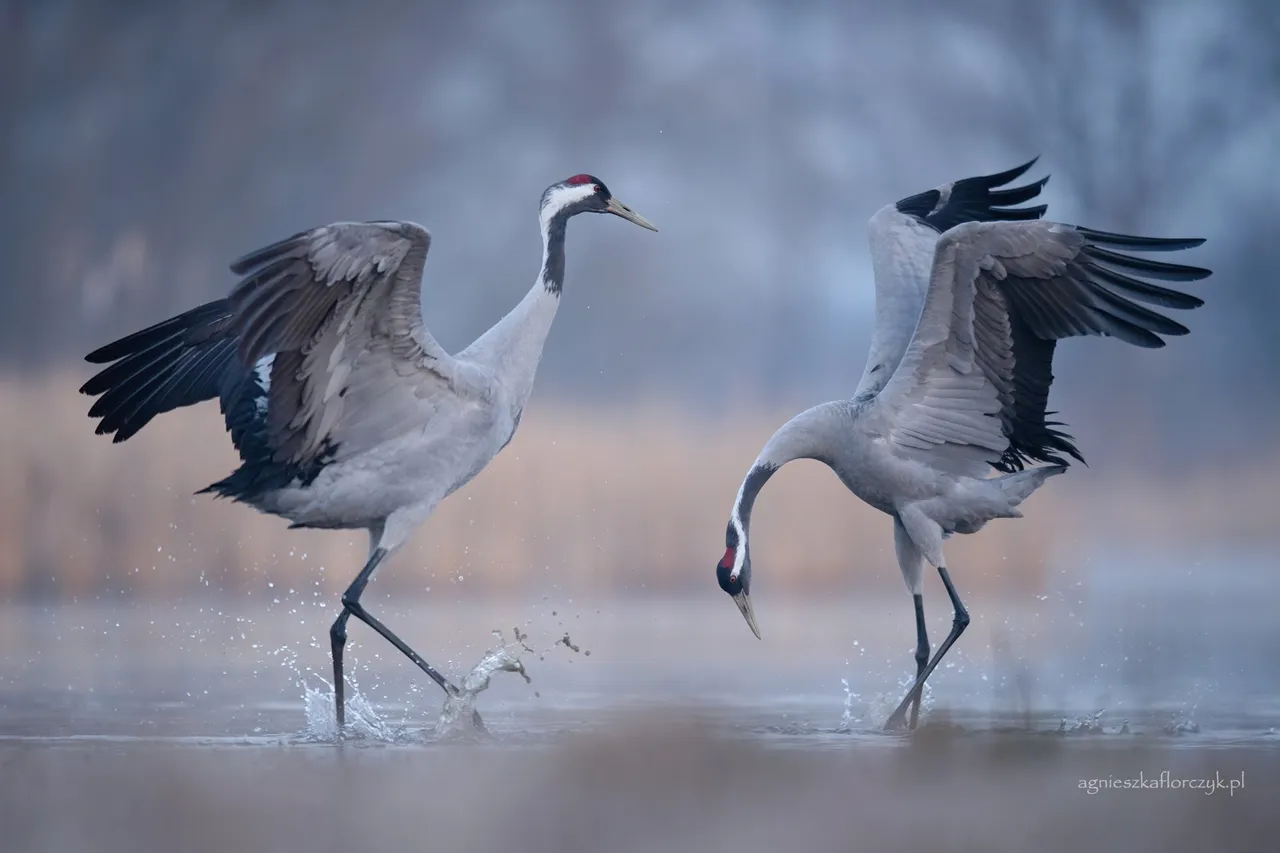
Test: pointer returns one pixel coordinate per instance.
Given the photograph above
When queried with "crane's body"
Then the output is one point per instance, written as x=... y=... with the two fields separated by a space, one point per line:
x=972 y=294
x=346 y=412
x=411 y=469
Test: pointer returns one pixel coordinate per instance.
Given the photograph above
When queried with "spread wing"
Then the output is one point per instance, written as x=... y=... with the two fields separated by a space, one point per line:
x=320 y=351
x=330 y=306
x=972 y=387
x=903 y=237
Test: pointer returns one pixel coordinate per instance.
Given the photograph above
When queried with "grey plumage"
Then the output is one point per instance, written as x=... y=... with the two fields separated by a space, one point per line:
x=345 y=411
x=958 y=377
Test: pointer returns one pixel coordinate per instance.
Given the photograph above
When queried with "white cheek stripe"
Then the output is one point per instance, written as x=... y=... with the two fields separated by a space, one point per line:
x=739 y=553
x=561 y=197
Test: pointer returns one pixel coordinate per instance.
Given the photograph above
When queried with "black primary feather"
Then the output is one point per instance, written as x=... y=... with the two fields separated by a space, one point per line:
x=1098 y=295
x=977 y=200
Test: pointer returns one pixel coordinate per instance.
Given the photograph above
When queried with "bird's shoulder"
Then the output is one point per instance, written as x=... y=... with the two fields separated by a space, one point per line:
x=1011 y=239
x=343 y=251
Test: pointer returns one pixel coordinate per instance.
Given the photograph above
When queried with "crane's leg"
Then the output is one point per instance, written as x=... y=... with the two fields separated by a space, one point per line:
x=959 y=622
x=922 y=656
x=338 y=638
x=911 y=562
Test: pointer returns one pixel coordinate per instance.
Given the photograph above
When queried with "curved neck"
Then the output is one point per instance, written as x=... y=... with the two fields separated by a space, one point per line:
x=806 y=436
x=751 y=485
x=513 y=347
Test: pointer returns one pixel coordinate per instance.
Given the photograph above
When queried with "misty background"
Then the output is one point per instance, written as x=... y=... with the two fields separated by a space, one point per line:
x=163 y=656
x=146 y=144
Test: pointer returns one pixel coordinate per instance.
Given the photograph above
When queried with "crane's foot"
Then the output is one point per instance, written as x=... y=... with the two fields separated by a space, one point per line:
x=898 y=719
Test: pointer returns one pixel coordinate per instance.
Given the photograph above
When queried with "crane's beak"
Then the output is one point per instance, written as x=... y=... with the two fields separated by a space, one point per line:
x=744 y=604
x=617 y=208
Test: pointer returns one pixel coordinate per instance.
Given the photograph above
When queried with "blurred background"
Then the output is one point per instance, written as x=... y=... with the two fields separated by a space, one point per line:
x=144 y=144
x=147 y=143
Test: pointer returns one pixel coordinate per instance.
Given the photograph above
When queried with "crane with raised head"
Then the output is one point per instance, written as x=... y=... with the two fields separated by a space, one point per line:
x=346 y=412
x=972 y=295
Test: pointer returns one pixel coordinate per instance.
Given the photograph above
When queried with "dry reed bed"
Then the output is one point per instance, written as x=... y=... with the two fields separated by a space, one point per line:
x=620 y=499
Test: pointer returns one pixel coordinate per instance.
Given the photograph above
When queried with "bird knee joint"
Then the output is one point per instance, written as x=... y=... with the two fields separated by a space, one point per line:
x=962 y=618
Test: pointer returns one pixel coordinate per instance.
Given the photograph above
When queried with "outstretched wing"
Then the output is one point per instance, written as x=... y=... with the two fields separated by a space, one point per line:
x=327 y=304
x=972 y=388
x=903 y=237
x=321 y=345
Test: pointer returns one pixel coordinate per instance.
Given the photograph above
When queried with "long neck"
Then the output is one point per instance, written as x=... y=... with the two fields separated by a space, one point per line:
x=513 y=347
x=806 y=436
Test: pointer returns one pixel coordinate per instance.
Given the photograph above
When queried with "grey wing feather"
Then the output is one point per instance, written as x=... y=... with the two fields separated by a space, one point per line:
x=972 y=388
x=904 y=236
x=336 y=304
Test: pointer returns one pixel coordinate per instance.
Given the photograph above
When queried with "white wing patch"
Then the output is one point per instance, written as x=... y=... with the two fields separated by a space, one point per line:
x=262 y=370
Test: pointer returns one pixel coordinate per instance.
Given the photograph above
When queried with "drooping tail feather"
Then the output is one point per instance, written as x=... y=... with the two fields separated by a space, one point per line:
x=1017 y=487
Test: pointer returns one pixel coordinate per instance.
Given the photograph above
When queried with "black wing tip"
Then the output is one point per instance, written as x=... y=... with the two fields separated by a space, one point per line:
x=975 y=199
x=999 y=179
x=1039 y=443
x=1140 y=244
x=118 y=434
x=1015 y=460
x=130 y=344
x=1018 y=214
x=1147 y=268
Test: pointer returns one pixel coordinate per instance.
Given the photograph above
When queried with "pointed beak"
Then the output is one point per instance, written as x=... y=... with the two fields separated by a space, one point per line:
x=617 y=208
x=744 y=604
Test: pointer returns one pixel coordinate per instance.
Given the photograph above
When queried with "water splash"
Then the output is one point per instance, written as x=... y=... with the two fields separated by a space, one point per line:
x=849 y=719
x=458 y=717
x=1183 y=723
x=363 y=721
x=882 y=705
x=871 y=713
x=1088 y=724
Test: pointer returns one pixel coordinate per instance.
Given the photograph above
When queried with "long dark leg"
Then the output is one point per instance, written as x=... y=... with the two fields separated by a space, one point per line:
x=338 y=636
x=958 y=623
x=338 y=632
x=922 y=654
